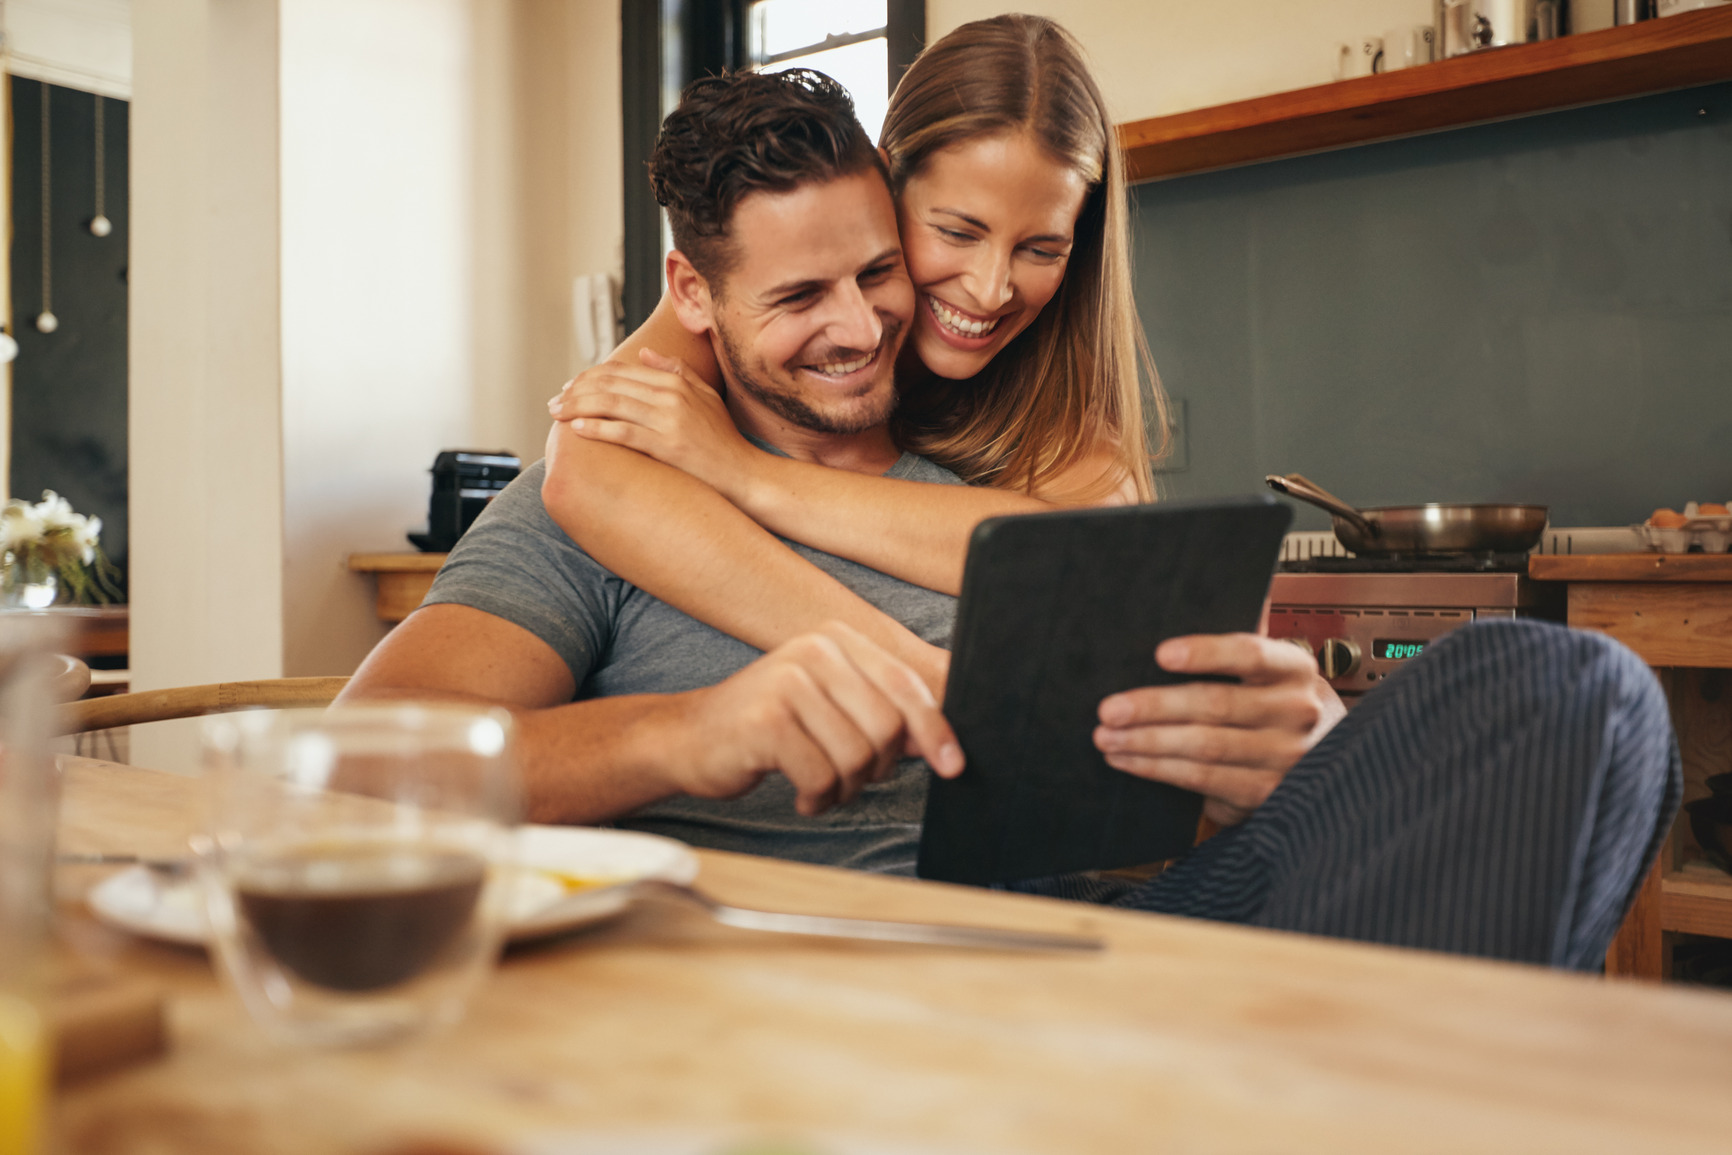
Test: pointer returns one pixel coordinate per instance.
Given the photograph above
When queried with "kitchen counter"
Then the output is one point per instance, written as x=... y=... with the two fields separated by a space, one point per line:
x=1675 y=611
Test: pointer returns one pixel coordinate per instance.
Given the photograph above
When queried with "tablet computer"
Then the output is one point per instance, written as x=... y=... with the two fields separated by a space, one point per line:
x=1059 y=610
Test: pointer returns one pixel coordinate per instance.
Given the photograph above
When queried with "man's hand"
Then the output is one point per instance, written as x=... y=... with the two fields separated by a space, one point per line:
x=830 y=710
x=1231 y=743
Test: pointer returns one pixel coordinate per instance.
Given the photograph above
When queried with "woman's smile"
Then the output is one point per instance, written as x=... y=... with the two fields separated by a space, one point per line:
x=961 y=328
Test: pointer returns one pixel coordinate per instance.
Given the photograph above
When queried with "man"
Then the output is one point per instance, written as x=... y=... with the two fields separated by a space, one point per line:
x=682 y=730
x=677 y=717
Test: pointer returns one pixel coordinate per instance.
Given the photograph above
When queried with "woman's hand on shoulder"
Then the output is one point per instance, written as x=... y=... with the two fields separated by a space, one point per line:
x=663 y=410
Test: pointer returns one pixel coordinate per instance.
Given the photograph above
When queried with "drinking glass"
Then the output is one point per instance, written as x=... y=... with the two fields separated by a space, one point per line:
x=355 y=868
x=29 y=806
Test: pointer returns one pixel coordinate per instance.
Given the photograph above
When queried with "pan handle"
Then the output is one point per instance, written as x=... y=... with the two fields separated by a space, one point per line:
x=1295 y=486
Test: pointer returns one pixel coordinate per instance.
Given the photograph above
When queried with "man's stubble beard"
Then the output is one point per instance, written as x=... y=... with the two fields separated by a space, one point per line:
x=792 y=407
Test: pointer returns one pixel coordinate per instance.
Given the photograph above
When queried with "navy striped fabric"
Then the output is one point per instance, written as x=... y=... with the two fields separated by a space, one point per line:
x=1502 y=796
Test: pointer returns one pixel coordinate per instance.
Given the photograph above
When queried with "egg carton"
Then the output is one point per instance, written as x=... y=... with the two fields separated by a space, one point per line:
x=1699 y=534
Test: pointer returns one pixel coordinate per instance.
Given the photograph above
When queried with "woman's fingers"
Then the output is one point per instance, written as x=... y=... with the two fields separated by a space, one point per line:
x=610 y=377
x=615 y=406
x=672 y=365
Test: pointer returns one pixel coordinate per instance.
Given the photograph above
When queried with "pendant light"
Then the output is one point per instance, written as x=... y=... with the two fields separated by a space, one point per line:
x=100 y=226
x=46 y=321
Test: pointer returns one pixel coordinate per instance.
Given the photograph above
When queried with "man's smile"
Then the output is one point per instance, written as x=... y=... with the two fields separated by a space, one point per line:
x=846 y=367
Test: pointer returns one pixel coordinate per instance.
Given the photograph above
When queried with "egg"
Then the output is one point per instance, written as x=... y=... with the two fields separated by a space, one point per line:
x=1711 y=509
x=1667 y=519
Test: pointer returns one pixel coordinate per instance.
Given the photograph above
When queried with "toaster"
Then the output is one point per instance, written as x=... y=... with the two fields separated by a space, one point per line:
x=464 y=481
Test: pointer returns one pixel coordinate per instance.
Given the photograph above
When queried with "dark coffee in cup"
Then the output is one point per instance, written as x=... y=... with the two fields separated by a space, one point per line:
x=360 y=918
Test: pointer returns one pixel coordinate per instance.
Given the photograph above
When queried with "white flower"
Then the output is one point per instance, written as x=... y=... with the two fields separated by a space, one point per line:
x=56 y=512
x=49 y=529
x=85 y=536
x=21 y=524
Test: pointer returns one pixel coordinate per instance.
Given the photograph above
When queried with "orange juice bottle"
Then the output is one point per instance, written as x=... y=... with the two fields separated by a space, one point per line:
x=29 y=797
x=23 y=1076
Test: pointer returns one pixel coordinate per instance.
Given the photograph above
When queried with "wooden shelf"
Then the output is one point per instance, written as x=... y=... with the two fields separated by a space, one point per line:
x=396 y=562
x=1653 y=56
x=1697 y=899
x=403 y=580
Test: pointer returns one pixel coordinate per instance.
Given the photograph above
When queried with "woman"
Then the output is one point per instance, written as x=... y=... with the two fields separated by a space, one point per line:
x=1020 y=373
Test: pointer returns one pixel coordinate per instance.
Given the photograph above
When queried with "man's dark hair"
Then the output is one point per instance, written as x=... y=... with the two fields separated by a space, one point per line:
x=746 y=132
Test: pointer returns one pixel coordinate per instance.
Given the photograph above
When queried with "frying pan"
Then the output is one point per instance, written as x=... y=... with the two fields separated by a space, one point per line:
x=1421 y=529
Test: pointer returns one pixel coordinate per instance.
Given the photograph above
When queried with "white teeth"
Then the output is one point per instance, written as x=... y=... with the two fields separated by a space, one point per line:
x=843 y=368
x=957 y=323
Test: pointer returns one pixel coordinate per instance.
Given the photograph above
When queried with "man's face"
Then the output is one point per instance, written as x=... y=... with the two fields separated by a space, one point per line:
x=813 y=312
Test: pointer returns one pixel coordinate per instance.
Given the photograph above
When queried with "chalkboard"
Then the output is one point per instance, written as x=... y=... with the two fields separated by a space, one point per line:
x=69 y=386
x=1538 y=310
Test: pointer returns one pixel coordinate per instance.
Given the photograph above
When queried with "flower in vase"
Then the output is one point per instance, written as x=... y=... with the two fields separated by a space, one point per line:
x=48 y=544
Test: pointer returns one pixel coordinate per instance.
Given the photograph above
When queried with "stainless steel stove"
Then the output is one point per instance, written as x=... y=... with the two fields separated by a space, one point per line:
x=1361 y=618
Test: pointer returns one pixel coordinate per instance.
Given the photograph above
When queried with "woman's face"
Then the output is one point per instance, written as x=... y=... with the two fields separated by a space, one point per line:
x=987 y=229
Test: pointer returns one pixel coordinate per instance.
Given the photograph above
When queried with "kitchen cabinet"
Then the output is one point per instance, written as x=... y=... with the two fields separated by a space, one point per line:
x=1680 y=51
x=1675 y=611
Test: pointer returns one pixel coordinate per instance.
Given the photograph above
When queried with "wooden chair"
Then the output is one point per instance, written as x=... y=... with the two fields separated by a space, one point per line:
x=192 y=701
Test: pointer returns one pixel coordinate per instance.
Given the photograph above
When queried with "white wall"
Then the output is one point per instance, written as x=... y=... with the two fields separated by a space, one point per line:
x=1154 y=57
x=205 y=480
x=448 y=166
x=354 y=234
x=355 y=228
x=378 y=347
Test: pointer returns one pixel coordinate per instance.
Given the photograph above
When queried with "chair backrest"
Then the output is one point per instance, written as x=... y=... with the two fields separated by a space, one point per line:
x=191 y=701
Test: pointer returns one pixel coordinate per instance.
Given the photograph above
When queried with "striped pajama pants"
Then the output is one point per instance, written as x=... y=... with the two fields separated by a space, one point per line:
x=1502 y=796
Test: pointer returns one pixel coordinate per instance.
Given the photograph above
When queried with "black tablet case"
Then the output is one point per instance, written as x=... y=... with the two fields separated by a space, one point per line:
x=1058 y=611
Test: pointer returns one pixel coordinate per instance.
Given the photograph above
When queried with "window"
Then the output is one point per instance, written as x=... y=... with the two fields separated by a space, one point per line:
x=844 y=39
x=864 y=44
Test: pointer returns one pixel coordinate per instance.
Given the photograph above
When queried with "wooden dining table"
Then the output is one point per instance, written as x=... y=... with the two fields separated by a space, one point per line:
x=1180 y=1035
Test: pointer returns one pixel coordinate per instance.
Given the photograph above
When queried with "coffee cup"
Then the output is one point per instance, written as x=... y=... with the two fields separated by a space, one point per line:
x=1408 y=46
x=355 y=867
x=1358 y=57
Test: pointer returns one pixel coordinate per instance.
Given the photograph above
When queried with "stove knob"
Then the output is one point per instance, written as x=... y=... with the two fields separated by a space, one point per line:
x=1339 y=658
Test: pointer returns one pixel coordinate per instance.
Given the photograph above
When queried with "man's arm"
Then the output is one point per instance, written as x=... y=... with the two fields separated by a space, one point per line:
x=829 y=709
x=1232 y=743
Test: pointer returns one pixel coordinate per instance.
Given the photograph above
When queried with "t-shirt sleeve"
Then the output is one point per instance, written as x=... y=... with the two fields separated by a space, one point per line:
x=516 y=563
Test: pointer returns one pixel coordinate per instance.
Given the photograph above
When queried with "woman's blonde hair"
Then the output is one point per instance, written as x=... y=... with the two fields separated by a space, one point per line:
x=1070 y=382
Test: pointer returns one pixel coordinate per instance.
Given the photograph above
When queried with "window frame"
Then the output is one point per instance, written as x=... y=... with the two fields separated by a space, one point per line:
x=664 y=45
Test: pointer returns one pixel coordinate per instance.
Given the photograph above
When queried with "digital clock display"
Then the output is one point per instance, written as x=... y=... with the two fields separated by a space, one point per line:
x=1388 y=650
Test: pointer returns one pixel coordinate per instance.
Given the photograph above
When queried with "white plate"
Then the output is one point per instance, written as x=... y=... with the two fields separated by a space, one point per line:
x=547 y=899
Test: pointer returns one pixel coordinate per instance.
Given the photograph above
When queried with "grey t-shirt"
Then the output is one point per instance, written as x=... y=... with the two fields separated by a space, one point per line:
x=517 y=564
